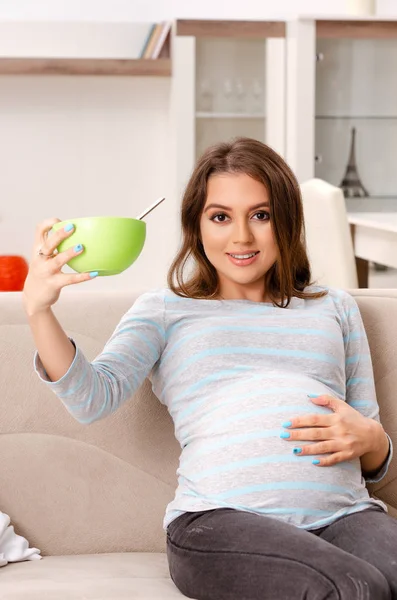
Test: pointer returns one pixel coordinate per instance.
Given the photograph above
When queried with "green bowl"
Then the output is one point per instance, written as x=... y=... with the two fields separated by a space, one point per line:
x=111 y=244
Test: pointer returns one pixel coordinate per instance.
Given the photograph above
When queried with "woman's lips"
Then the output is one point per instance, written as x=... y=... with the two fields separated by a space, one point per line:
x=243 y=262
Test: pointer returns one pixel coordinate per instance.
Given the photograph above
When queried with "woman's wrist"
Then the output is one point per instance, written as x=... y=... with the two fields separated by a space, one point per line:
x=373 y=460
x=33 y=312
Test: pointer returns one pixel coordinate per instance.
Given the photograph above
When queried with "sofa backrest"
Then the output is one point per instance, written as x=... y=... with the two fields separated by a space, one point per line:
x=72 y=488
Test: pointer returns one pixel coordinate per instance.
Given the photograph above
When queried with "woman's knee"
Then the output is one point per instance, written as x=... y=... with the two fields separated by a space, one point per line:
x=235 y=576
x=367 y=584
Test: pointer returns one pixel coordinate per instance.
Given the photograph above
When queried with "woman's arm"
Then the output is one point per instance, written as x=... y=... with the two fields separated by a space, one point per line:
x=372 y=462
x=55 y=348
x=92 y=390
x=42 y=288
x=360 y=390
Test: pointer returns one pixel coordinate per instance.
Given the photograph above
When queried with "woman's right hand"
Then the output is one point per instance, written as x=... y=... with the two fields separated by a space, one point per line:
x=45 y=278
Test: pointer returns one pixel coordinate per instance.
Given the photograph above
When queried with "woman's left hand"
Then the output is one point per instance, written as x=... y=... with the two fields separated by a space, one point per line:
x=344 y=435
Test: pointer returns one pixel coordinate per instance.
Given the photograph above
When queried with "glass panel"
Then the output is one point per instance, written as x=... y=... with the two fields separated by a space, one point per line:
x=230 y=90
x=356 y=98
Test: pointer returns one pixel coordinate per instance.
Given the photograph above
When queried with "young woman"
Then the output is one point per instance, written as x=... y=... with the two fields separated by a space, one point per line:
x=268 y=379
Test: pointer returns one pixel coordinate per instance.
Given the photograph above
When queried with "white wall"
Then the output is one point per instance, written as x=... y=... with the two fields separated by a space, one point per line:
x=142 y=10
x=387 y=7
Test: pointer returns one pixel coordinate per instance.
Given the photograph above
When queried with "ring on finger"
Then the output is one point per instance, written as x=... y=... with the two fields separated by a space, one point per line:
x=41 y=253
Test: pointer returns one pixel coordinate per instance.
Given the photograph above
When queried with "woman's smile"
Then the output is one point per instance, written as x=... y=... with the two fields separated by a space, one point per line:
x=243 y=260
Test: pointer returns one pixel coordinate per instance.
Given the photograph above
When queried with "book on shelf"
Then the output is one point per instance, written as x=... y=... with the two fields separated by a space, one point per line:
x=147 y=40
x=164 y=33
x=153 y=40
x=156 y=40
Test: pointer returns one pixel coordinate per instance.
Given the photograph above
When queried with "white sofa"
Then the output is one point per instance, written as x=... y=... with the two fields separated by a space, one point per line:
x=92 y=498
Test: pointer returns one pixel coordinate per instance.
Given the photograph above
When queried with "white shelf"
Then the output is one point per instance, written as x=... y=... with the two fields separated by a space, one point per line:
x=356 y=117
x=225 y=115
x=347 y=17
x=160 y=67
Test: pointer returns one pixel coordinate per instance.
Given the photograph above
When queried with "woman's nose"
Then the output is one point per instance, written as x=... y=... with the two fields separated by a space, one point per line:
x=242 y=233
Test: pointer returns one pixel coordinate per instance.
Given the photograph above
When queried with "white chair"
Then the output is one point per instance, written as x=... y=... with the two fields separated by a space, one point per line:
x=328 y=238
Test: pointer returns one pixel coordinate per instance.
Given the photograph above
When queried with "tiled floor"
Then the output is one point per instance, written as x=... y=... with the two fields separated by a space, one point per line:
x=383 y=279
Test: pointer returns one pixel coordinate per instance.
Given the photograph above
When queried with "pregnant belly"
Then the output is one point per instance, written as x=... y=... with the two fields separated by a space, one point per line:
x=258 y=470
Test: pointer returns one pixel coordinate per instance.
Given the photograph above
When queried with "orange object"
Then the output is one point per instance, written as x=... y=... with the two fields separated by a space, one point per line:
x=13 y=272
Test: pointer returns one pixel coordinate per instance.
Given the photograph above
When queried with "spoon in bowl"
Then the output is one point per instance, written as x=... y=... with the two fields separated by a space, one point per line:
x=151 y=207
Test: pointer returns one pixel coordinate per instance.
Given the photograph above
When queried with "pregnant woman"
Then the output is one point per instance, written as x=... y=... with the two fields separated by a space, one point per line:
x=269 y=382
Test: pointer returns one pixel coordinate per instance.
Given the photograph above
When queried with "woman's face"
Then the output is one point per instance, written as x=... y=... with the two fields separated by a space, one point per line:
x=235 y=223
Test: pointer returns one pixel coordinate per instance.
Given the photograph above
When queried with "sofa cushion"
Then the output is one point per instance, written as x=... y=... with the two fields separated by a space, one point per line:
x=112 y=480
x=118 y=576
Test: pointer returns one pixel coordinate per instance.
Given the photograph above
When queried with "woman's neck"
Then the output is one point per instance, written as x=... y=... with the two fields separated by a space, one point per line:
x=243 y=295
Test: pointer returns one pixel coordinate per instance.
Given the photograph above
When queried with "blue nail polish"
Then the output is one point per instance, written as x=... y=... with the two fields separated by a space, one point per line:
x=316 y=461
x=297 y=450
x=287 y=424
x=78 y=248
x=285 y=434
x=93 y=273
x=69 y=227
x=312 y=395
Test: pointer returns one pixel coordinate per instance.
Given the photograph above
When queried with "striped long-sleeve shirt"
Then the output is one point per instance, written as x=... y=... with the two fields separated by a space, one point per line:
x=231 y=372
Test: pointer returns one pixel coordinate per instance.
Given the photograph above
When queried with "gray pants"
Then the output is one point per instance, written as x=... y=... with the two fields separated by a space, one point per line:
x=226 y=554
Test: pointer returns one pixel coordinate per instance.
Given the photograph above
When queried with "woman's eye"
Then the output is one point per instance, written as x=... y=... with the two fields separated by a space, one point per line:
x=219 y=218
x=264 y=215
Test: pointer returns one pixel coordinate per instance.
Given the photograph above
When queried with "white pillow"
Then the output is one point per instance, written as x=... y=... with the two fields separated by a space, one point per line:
x=14 y=547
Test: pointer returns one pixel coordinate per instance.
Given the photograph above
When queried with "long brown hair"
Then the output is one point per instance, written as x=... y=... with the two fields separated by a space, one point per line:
x=290 y=274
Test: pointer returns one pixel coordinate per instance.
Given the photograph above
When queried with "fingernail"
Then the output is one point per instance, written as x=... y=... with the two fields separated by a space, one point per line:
x=297 y=450
x=316 y=461
x=285 y=434
x=93 y=273
x=312 y=395
x=78 y=248
x=69 y=227
x=287 y=424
